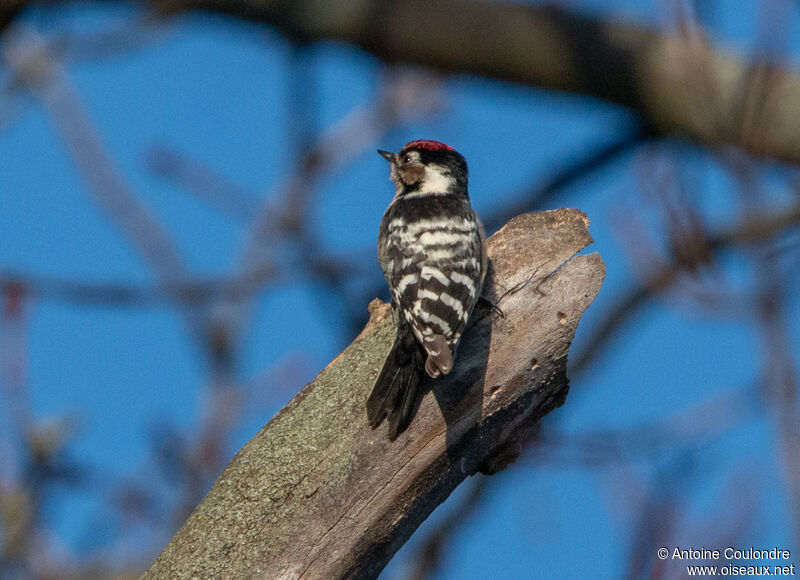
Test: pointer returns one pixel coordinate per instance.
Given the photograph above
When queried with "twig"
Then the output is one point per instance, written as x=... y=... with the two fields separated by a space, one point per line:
x=29 y=55
x=577 y=168
x=627 y=304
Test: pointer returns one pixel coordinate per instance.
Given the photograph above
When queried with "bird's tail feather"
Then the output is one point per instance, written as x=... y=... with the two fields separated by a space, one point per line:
x=397 y=389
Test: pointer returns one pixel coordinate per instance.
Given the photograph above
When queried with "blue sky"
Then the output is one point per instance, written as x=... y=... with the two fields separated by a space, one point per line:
x=215 y=90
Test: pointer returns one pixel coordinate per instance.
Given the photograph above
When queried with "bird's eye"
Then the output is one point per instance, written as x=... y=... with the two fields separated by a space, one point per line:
x=407 y=159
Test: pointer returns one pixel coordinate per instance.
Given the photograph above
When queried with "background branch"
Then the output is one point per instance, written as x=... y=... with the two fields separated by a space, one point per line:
x=676 y=82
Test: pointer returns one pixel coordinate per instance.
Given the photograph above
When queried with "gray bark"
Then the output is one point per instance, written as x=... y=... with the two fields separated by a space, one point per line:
x=318 y=494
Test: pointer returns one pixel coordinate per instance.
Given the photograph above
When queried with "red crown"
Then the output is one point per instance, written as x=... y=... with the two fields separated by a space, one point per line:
x=427 y=144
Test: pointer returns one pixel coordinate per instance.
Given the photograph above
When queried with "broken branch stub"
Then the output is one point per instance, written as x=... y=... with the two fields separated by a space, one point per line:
x=318 y=494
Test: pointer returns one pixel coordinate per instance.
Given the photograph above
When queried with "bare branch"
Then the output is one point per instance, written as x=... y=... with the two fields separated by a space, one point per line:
x=428 y=559
x=678 y=83
x=317 y=494
x=580 y=167
x=190 y=292
x=696 y=425
x=44 y=76
x=752 y=229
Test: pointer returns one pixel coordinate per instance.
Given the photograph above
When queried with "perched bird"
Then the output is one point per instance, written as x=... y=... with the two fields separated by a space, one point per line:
x=431 y=250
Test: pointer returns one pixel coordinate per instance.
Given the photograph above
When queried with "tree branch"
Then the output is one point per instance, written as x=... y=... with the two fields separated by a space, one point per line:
x=577 y=167
x=318 y=494
x=677 y=82
x=756 y=228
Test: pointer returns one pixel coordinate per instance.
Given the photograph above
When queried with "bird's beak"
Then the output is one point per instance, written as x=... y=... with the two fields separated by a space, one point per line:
x=388 y=155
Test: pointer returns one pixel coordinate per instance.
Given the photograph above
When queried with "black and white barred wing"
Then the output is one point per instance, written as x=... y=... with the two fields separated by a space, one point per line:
x=435 y=281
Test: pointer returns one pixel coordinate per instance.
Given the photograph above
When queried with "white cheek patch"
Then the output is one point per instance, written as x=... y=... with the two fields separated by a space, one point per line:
x=435 y=180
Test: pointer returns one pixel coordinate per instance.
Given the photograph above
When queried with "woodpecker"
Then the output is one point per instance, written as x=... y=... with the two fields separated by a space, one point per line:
x=431 y=248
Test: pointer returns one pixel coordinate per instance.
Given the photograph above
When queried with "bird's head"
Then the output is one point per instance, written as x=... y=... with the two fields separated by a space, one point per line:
x=425 y=167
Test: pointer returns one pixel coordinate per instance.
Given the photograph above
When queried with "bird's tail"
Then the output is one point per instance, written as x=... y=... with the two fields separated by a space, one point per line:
x=397 y=389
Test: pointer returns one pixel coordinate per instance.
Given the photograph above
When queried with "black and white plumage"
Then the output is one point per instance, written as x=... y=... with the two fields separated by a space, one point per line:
x=431 y=251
